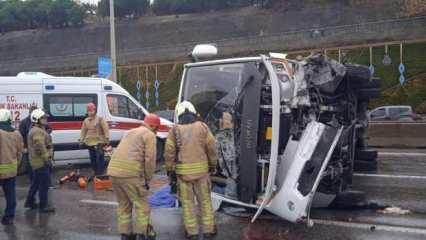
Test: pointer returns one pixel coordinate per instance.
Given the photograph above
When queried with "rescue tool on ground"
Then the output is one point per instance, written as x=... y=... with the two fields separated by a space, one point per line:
x=75 y=176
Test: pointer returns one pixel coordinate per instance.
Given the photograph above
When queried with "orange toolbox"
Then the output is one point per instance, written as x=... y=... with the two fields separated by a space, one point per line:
x=102 y=182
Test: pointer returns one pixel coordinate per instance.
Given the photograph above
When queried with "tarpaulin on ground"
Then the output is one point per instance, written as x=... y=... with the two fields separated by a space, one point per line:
x=162 y=198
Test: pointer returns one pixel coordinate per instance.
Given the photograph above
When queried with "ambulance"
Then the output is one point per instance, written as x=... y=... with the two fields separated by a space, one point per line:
x=65 y=100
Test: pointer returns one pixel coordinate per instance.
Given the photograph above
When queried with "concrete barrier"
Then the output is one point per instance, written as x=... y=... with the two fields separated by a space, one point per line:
x=397 y=134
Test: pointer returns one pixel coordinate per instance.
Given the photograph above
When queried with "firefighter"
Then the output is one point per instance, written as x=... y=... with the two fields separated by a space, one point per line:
x=24 y=129
x=131 y=168
x=190 y=155
x=95 y=135
x=40 y=155
x=11 y=146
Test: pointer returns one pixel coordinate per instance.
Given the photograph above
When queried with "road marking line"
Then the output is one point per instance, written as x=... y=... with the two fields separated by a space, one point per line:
x=401 y=154
x=368 y=226
x=390 y=176
x=98 y=202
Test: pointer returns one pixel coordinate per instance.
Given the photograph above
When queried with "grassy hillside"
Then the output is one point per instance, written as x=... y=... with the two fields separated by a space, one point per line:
x=413 y=92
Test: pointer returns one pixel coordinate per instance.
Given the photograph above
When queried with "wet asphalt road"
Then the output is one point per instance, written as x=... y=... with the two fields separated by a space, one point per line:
x=400 y=183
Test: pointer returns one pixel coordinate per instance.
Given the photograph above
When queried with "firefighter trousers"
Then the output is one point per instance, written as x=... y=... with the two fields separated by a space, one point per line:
x=191 y=192
x=132 y=194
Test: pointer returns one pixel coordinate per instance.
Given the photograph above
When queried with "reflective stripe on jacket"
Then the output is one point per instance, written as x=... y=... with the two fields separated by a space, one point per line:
x=136 y=155
x=11 y=146
x=194 y=154
x=94 y=131
x=39 y=147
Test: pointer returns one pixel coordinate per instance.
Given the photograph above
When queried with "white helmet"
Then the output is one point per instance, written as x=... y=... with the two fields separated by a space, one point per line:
x=185 y=106
x=36 y=115
x=5 y=115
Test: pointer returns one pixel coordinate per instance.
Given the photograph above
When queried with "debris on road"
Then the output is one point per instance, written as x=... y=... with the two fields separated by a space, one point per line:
x=102 y=183
x=75 y=176
x=163 y=198
x=394 y=210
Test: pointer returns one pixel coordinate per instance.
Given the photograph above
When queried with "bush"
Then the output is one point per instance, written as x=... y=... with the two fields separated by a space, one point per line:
x=124 y=8
x=30 y=14
x=165 y=7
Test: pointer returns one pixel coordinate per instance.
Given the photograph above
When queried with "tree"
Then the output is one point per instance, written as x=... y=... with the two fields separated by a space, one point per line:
x=31 y=14
x=124 y=8
x=77 y=15
x=162 y=7
x=90 y=9
x=12 y=17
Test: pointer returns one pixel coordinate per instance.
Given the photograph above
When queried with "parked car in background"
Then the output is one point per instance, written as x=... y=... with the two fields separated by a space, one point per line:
x=393 y=113
x=166 y=114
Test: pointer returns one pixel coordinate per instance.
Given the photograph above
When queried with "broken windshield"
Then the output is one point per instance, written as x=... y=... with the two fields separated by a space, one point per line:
x=205 y=86
x=216 y=92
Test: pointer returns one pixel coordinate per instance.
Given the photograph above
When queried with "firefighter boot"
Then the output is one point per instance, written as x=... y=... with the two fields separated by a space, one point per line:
x=125 y=237
x=31 y=206
x=211 y=235
x=208 y=236
x=192 y=237
x=47 y=210
x=140 y=237
x=7 y=221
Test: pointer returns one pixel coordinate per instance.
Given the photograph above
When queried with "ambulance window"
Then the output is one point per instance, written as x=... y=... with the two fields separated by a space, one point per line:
x=122 y=106
x=80 y=105
x=60 y=107
x=134 y=111
x=117 y=106
x=67 y=107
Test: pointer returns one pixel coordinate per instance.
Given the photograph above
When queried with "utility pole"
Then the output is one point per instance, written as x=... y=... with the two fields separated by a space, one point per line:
x=113 y=45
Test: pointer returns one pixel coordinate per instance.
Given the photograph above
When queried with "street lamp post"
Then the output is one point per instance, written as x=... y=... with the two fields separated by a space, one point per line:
x=112 y=41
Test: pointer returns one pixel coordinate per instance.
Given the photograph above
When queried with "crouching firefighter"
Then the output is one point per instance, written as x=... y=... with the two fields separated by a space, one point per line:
x=131 y=168
x=11 y=146
x=190 y=155
x=95 y=135
x=40 y=156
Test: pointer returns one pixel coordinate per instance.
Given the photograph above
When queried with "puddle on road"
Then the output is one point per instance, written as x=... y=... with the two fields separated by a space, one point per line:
x=264 y=231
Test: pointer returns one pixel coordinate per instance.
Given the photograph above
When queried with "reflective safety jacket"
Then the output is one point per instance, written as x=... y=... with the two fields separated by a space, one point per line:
x=135 y=156
x=190 y=151
x=11 y=146
x=39 y=147
x=94 y=131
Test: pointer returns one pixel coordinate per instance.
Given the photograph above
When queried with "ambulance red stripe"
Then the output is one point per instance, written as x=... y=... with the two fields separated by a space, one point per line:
x=76 y=125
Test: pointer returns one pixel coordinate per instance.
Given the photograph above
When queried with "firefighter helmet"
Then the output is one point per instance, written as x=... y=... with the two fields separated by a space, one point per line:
x=184 y=106
x=5 y=115
x=152 y=120
x=36 y=115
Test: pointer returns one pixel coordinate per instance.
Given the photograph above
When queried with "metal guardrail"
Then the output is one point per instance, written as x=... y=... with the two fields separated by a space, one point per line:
x=397 y=134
